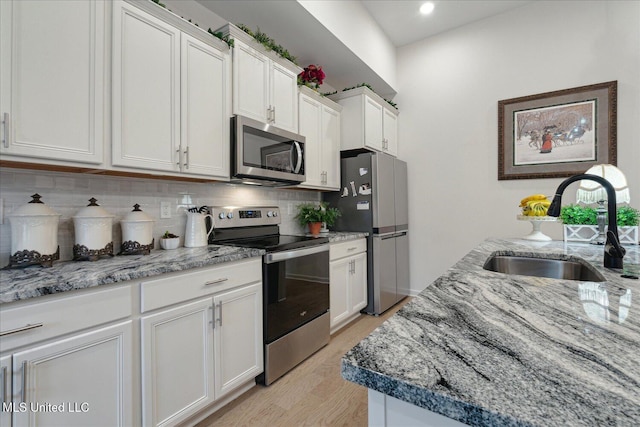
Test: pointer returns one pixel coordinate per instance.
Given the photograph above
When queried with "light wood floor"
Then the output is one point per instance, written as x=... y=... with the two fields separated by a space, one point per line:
x=312 y=394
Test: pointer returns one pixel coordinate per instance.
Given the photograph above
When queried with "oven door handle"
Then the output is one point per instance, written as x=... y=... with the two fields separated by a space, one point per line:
x=296 y=253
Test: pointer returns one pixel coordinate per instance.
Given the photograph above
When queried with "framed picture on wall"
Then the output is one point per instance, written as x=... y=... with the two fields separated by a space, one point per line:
x=557 y=134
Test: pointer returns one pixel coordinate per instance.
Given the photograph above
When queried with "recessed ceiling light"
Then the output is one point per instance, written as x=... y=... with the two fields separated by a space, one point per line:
x=427 y=8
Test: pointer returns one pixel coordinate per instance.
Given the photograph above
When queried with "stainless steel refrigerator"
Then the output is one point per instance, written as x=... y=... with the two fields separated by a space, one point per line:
x=373 y=198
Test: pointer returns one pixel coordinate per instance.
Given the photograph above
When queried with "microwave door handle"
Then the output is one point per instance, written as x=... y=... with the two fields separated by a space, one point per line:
x=296 y=144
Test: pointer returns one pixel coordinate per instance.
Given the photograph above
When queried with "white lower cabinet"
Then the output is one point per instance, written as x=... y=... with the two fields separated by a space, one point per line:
x=68 y=360
x=177 y=362
x=195 y=353
x=78 y=381
x=348 y=277
x=5 y=389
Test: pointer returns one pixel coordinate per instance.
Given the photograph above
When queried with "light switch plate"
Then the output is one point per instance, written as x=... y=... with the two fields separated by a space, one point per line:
x=165 y=210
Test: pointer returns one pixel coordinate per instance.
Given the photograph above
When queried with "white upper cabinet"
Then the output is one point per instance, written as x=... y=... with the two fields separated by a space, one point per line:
x=146 y=96
x=52 y=77
x=368 y=121
x=319 y=120
x=265 y=85
x=170 y=97
x=205 y=120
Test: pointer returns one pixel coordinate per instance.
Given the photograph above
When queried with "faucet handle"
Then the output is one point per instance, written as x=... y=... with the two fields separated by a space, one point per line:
x=614 y=248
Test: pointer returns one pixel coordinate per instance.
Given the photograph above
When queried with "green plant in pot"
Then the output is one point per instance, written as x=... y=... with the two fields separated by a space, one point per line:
x=313 y=215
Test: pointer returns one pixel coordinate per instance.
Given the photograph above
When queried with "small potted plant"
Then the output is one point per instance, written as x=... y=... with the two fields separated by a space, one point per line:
x=580 y=223
x=314 y=215
x=169 y=241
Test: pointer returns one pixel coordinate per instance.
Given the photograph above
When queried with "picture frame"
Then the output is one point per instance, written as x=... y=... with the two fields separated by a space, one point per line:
x=274 y=157
x=557 y=134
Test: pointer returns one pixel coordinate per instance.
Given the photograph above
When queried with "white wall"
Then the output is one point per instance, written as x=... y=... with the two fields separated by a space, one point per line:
x=352 y=24
x=448 y=89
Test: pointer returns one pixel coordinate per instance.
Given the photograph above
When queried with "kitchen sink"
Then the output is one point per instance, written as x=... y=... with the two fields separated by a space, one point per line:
x=543 y=267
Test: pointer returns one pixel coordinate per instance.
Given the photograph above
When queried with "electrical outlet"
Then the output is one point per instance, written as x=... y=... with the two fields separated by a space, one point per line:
x=165 y=210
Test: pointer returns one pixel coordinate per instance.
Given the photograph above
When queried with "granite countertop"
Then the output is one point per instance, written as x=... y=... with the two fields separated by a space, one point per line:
x=486 y=348
x=35 y=281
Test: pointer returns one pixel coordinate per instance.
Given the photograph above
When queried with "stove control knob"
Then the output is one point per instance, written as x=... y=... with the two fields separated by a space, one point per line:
x=275 y=213
x=269 y=214
x=221 y=215
x=230 y=215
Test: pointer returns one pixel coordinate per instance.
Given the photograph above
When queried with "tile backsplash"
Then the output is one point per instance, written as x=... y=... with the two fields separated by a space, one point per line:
x=67 y=193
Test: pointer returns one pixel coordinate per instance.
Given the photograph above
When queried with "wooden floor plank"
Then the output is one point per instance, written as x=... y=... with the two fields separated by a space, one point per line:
x=312 y=394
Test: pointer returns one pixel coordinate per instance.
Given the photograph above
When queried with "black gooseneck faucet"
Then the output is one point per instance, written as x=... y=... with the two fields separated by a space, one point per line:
x=613 y=251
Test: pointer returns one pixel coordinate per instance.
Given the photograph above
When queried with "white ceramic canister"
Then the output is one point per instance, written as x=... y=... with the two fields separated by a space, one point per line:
x=137 y=232
x=34 y=234
x=94 y=232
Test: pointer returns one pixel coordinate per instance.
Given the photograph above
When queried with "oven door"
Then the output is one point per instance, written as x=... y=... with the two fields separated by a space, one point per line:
x=296 y=289
x=265 y=152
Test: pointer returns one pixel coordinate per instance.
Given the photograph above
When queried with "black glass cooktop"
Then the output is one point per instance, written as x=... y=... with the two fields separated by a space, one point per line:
x=278 y=242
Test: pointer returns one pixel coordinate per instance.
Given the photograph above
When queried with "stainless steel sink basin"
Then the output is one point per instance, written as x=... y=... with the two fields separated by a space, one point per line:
x=543 y=267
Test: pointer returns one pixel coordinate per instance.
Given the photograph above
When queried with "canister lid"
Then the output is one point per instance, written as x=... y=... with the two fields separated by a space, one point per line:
x=34 y=208
x=136 y=215
x=93 y=210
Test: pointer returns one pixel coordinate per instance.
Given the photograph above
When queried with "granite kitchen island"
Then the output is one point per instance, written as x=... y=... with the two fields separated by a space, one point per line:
x=486 y=348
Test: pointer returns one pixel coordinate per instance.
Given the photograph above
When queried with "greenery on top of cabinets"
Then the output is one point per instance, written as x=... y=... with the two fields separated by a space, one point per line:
x=219 y=35
x=226 y=39
x=586 y=215
x=268 y=43
x=367 y=85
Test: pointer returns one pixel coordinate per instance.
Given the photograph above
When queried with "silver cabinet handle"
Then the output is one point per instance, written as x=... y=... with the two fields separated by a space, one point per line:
x=186 y=154
x=219 y=305
x=21 y=329
x=23 y=392
x=213 y=317
x=215 y=282
x=3 y=384
x=7 y=129
x=179 y=157
x=352 y=249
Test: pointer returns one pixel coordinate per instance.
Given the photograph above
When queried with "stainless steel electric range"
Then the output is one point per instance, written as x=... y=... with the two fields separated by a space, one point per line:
x=295 y=277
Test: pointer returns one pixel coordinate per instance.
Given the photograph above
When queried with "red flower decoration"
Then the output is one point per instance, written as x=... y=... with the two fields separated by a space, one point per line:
x=312 y=76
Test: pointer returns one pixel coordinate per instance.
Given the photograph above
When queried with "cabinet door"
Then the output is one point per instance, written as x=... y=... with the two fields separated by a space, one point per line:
x=146 y=84
x=330 y=134
x=339 y=305
x=52 y=77
x=5 y=389
x=372 y=124
x=358 y=283
x=204 y=115
x=390 y=130
x=177 y=363
x=238 y=337
x=250 y=82
x=284 y=98
x=88 y=374
x=310 y=124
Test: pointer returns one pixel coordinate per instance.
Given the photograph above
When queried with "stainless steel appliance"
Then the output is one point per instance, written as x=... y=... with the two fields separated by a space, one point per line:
x=374 y=199
x=295 y=278
x=266 y=155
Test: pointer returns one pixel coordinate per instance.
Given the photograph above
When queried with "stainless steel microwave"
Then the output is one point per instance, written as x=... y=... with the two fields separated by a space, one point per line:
x=266 y=155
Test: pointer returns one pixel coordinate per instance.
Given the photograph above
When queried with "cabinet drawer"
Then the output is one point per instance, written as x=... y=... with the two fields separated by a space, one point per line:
x=343 y=249
x=63 y=315
x=177 y=287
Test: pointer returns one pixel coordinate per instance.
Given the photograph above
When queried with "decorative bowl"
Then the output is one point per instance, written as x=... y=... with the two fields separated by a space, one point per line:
x=171 y=243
